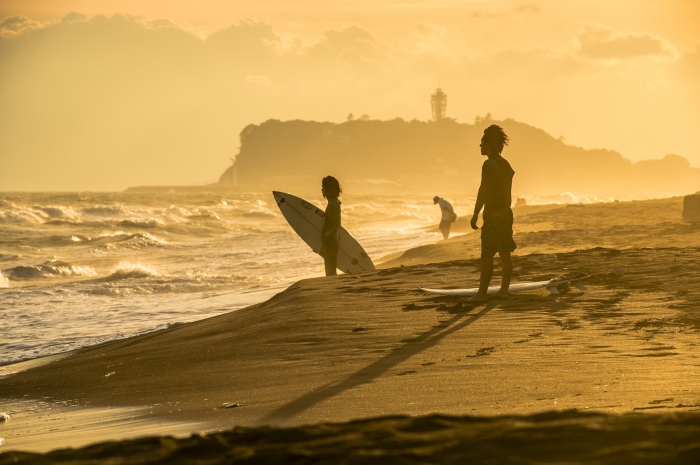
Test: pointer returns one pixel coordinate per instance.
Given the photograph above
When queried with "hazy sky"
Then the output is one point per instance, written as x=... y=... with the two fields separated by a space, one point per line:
x=103 y=94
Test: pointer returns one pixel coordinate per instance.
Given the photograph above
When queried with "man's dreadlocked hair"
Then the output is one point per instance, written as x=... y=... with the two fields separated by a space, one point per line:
x=495 y=136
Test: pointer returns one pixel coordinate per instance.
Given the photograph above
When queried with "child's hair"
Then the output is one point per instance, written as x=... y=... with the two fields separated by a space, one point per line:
x=332 y=187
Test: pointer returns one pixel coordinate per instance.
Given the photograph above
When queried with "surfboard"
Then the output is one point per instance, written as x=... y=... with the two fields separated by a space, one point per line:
x=307 y=221
x=553 y=286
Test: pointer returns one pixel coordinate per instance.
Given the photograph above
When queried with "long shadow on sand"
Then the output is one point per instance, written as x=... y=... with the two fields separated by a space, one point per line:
x=369 y=373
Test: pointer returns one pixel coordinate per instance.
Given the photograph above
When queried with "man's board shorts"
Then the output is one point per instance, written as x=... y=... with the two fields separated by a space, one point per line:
x=445 y=224
x=497 y=232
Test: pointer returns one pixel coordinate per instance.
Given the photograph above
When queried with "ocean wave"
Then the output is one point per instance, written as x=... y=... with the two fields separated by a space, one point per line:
x=137 y=279
x=259 y=214
x=57 y=212
x=105 y=210
x=149 y=223
x=205 y=215
x=569 y=198
x=175 y=210
x=409 y=216
x=53 y=270
x=131 y=271
x=198 y=276
x=141 y=239
x=22 y=216
x=6 y=204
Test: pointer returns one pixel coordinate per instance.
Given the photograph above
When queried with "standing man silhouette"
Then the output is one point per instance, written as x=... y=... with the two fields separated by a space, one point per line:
x=495 y=198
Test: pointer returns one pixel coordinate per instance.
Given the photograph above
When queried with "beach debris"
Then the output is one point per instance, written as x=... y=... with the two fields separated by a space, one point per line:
x=483 y=351
x=230 y=405
x=4 y=417
x=110 y=374
x=358 y=329
x=1 y=441
x=617 y=271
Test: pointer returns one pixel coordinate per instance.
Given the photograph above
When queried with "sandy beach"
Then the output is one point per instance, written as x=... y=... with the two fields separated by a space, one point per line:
x=372 y=345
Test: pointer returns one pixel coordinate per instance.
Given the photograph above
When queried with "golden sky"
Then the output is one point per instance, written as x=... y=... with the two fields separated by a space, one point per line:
x=106 y=94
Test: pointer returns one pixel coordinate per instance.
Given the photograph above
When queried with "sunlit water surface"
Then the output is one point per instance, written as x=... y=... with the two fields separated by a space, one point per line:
x=82 y=268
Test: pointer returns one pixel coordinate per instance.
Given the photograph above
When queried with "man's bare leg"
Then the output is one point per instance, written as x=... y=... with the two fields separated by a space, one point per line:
x=445 y=233
x=507 y=264
x=486 y=274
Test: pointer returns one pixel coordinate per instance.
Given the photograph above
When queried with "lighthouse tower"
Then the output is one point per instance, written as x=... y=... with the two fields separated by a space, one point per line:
x=438 y=101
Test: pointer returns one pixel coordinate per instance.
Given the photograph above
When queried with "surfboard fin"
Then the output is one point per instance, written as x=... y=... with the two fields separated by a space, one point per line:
x=580 y=286
x=553 y=289
x=563 y=287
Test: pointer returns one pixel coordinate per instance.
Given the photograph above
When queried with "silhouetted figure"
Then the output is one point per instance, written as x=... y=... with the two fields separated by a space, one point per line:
x=495 y=197
x=331 y=190
x=448 y=215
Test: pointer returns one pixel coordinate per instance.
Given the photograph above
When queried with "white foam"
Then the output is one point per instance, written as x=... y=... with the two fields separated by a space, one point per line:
x=3 y=281
x=132 y=270
x=23 y=215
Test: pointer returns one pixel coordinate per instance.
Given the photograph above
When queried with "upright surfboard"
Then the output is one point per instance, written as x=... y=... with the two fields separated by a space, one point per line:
x=307 y=221
x=553 y=286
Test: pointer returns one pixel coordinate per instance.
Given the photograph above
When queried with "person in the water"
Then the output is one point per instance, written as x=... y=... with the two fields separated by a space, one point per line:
x=448 y=215
x=495 y=197
x=331 y=190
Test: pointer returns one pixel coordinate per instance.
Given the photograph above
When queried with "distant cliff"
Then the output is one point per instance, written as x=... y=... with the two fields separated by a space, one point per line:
x=416 y=156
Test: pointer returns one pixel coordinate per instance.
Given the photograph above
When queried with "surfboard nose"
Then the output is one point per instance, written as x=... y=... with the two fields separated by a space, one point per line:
x=279 y=198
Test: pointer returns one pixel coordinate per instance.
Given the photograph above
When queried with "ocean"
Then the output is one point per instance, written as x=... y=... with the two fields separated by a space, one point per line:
x=78 y=269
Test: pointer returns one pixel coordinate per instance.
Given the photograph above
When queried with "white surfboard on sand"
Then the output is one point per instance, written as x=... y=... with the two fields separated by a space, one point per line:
x=307 y=221
x=553 y=286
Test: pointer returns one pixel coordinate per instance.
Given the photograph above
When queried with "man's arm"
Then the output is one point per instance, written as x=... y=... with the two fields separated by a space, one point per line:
x=488 y=174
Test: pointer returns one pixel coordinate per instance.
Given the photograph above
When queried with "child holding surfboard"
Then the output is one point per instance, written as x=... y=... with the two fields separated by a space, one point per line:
x=331 y=190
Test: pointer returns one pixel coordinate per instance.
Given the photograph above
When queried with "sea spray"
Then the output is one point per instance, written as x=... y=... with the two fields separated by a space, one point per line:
x=3 y=281
x=132 y=271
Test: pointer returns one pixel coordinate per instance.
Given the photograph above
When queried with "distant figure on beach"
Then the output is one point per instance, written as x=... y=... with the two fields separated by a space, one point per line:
x=448 y=215
x=495 y=198
x=331 y=190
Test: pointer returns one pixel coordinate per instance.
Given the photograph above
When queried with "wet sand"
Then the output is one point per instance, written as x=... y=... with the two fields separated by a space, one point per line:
x=364 y=346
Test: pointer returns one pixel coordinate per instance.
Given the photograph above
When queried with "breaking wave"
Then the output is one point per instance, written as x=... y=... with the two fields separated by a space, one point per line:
x=131 y=271
x=22 y=216
x=53 y=270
